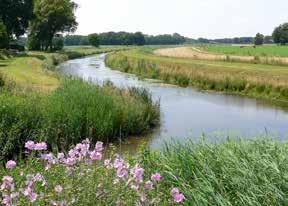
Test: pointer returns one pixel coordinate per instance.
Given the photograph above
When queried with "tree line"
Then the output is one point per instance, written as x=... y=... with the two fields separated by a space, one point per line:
x=125 y=38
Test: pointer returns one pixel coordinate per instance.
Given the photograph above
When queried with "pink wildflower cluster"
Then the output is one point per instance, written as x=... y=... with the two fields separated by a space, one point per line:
x=131 y=177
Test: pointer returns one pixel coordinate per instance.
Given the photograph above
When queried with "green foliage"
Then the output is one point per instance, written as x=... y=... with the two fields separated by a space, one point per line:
x=165 y=39
x=4 y=39
x=16 y=15
x=58 y=43
x=51 y=17
x=259 y=39
x=74 y=111
x=280 y=34
x=94 y=40
x=74 y=40
x=233 y=172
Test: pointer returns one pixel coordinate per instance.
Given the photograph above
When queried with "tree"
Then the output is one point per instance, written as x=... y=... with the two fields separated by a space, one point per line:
x=94 y=40
x=139 y=39
x=52 y=17
x=4 y=39
x=259 y=39
x=280 y=34
x=15 y=15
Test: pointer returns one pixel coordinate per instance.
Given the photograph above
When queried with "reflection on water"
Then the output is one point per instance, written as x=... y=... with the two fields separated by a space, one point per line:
x=186 y=112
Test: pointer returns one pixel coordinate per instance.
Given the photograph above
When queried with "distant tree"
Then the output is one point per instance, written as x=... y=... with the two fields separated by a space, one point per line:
x=94 y=40
x=280 y=34
x=203 y=40
x=15 y=15
x=268 y=40
x=50 y=18
x=259 y=39
x=4 y=39
x=58 y=43
x=139 y=39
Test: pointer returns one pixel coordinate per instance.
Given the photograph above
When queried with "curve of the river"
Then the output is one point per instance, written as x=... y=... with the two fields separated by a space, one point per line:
x=187 y=112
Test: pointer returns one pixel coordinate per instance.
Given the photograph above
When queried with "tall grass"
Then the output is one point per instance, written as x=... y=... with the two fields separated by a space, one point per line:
x=74 y=111
x=255 y=82
x=248 y=173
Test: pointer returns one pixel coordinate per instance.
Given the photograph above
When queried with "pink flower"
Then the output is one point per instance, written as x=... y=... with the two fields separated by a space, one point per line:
x=58 y=188
x=7 y=183
x=40 y=146
x=138 y=172
x=177 y=196
x=156 y=177
x=6 y=200
x=32 y=196
x=70 y=161
x=148 y=185
x=10 y=164
x=61 y=156
x=99 y=146
x=30 y=145
x=95 y=155
x=118 y=163
x=121 y=172
x=48 y=157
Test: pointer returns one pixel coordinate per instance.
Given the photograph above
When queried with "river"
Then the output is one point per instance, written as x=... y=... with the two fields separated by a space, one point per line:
x=188 y=112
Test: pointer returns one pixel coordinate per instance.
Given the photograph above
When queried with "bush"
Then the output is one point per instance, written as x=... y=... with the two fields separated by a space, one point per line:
x=74 y=111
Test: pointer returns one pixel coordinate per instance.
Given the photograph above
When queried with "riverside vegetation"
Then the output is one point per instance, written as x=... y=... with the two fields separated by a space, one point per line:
x=255 y=80
x=69 y=110
x=244 y=173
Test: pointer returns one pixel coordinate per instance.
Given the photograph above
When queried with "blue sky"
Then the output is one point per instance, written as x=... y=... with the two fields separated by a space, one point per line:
x=192 y=18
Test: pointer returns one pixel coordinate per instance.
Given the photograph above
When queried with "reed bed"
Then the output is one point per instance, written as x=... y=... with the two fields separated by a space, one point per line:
x=72 y=112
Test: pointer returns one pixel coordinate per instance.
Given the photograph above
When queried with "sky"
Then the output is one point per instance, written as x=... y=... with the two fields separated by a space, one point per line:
x=190 y=18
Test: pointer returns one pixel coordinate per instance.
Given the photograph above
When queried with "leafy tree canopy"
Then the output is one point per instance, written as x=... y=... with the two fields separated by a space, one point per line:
x=94 y=40
x=259 y=39
x=50 y=18
x=4 y=40
x=15 y=15
x=280 y=34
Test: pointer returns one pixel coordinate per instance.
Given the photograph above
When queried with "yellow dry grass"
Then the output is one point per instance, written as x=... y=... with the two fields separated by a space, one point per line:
x=196 y=53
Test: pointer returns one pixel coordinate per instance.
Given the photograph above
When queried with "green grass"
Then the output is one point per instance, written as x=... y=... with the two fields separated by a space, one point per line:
x=265 y=50
x=248 y=173
x=72 y=112
x=255 y=80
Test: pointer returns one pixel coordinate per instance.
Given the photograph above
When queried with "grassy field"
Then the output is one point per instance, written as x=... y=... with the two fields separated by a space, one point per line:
x=235 y=172
x=256 y=80
x=266 y=50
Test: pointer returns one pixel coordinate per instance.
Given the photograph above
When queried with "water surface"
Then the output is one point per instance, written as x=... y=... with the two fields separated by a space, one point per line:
x=187 y=112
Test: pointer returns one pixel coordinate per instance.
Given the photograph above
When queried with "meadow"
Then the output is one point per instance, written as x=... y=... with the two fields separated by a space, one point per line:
x=248 y=50
x=251 y=79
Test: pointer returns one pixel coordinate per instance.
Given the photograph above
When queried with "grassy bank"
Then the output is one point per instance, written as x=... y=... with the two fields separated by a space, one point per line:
x=34 y=70
x=72 y=112
x=242 y=173
x=255 y=80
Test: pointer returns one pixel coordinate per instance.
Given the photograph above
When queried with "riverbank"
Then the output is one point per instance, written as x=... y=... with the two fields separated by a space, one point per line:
x=39 y=104
x=254 y=80
x=34 y=70
x=234 y=172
